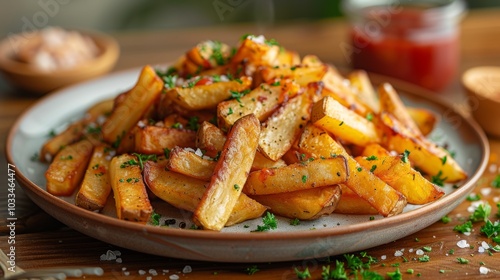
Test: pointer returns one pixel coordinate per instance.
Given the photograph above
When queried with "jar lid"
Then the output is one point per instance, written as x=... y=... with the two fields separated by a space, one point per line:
x=483 y=81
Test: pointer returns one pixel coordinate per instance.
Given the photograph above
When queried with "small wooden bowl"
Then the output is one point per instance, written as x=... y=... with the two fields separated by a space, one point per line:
x=26 y=77
x=483 y=88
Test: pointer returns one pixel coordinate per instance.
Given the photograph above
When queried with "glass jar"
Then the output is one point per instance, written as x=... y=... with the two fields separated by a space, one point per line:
x=414 y=41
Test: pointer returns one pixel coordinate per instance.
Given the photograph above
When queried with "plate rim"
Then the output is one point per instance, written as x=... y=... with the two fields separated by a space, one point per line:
x=408 y=89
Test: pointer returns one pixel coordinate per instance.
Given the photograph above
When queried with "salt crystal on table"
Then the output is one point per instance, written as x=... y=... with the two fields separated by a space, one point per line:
x=493 y=168
x=174 y=277
x=398 y=253
x=119 y=260
x=480 y=250
x=142 y=272
x=419 y=252
x=383 y=257
x=485 y=191
x=187 y=269
x=153 y=272
x=463 y=244
x=483 y=270
x=485 y=245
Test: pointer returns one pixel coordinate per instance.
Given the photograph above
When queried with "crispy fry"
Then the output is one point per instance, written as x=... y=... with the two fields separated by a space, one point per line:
x=344 y=123
x=66 y=171
x=388 y=202
x=427 y=156
x=364 y=90
x=283 y=127
x=201 y=97
x=307 y=204
x=96 y=187
x=185 y=193
x=154 y=139
x=131 y=198
x=425 y=119
x=351 y=203
x=188 y=163
x=71 y=134
x=303 y=75
x=135 y=104
x=401 y=176
x=230 y=174
x=299 y=176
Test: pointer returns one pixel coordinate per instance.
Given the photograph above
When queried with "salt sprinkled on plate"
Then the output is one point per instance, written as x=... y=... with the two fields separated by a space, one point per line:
x=483 y=270
x=174 y=277
x=419 y=252
x=463 y=244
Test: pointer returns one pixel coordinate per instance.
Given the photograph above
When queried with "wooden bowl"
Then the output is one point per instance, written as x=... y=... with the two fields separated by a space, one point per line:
x=483 y=88
x=26 y=77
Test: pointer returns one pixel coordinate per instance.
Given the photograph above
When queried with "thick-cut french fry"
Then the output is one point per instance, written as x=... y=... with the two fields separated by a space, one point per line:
x=211 y=139
x=154 y=139
x=392 y=104
x=185 y=193
x=299 y=176
x=428 y=157
x=336 y=87
x=388 y=202
x=98 y=110
x=364 y=90
x=344 y=123
x=398 y=173
x=66 y=171
x=425 y=119
x=188 y=163
x=351 y=203
x=303 y=75
x=283 y=127
x=201 y=97
x=230 y=174
x=135 y=104
x=71 y=134
x=96 y=187
x=305 y=204
x=254 y=50
x=131 y=198
x=261 y=102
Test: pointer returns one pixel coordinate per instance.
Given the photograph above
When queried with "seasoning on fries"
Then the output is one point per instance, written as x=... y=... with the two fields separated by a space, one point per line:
x=229 y=135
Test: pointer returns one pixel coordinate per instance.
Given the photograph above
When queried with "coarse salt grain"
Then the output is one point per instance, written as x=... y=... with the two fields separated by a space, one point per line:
x=493 y=168
x=119 y=260
x=410 y=250
x=480 y=250
x=141 y=272
x=483 y=270
x=467 y=233
x=124 y=268
x=153 y=272
x=485 y=191
x=419 y=252
x=485 y=245
x=463 y=244
x=398 y=253
x=126 y=273
x=496 y=199
x=187 y=269
x=174 y=277
x=383 y=257
x=149 y=278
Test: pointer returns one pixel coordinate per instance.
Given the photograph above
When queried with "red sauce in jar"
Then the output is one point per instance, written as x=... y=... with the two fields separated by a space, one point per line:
x=408 y=44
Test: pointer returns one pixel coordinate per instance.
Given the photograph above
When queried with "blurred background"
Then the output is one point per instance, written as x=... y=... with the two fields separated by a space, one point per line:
x=123 y=15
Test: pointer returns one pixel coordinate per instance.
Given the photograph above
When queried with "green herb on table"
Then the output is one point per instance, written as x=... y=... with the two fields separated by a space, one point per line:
x=491 y=229
x=496 y=182
x=481 y=213
x=252 y=270
x=438 y=179
x=462 y=261
x=463 y=228
x=396 y=275
x=155 y=219
x=424 y=258
x=295 y=222
x=445 y=219
x=302 y=274
x=473 y=197
x=337 y=273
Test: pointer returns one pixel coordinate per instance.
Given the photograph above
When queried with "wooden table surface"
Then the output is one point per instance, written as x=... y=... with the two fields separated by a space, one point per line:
x=47 y=243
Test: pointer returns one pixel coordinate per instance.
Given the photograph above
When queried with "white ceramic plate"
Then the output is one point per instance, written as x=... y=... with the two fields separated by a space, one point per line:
x=331 y=235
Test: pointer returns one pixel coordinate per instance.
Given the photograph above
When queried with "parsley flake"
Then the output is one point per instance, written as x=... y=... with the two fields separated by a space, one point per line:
x=269 y=221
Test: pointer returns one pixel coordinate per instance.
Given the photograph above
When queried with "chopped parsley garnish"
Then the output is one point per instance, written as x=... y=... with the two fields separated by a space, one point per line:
x=238 y=94
x=463 y=228
x=424 y=258
x=155 y=219
x=427 y=248
x=451 y=252
x=481 y=213
x=359 y=169
x=177 y=125
x=462 y=261
x=337 y=273
x=193 y=123
x=438 y=179
x=272 y=42
x=353 y=262
x=491 y=229
x=303 y=274
x=445 y=219
x=396 y=275
x=142 y=158
x=304 y=178
x=68 y=157
x=410 y=271
x=252 y=270
x=405 y=155
x=35 y=157
x=373 y=168
x=170 y=81
x=269 y=221
x=217 y=53
x=276 y=83
x=236 y=187
x=443 y=160
x=496 y=182
x=295 y=222
x=370 y=158
x=166 y=152
x=216 y=78
x=473 y=197
x=369 y=117
x=129 y=163
x=93 y=129
x=230 y=112
x=52 y=133
x=341 y=123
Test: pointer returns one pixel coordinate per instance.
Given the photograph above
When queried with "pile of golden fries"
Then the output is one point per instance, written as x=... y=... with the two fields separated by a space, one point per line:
x=229 y=133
